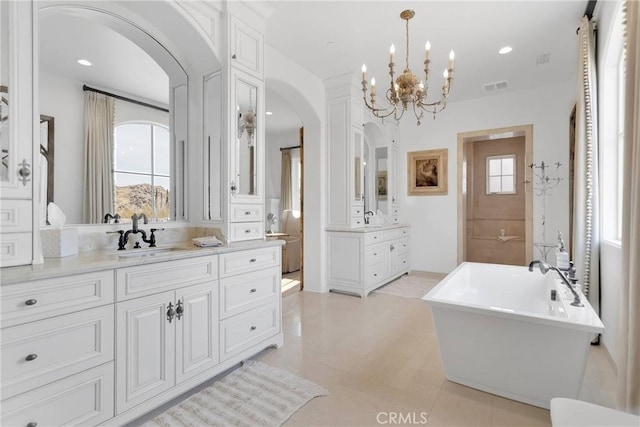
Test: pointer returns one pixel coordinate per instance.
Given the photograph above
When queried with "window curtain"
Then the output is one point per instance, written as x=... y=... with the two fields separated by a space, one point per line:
x=285 y=181
x=99 y=112
x=586 y=231
x=629 y=326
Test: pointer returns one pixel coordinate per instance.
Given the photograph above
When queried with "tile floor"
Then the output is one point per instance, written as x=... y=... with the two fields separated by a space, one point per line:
x=379 y=356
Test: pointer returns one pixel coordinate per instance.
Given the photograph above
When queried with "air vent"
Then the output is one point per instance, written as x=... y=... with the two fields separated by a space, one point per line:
x=543 y=58
x=492 y=87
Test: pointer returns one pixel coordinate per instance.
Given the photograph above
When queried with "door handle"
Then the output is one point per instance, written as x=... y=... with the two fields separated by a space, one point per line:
x=179 y=310
x=170 y=313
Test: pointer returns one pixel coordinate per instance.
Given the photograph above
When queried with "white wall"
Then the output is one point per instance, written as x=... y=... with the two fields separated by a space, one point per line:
x=433 y=219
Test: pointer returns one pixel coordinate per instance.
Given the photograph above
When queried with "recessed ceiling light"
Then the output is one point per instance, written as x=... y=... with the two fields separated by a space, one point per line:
x=269 y=113
x=84 y=62
x=505 y=50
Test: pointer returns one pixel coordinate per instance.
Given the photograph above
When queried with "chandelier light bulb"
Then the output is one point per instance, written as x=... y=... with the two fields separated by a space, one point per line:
x=364 y=73
x=452 y=55
x=446 y=73
x=392 y=50
x=373 y=86
x=427 y=48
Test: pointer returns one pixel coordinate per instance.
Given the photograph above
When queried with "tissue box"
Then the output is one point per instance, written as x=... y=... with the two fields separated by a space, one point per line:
x=59 y=242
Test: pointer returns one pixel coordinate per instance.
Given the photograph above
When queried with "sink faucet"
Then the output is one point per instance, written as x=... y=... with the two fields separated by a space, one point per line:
x=366 y=216
x=135 y=218
x=544 y=268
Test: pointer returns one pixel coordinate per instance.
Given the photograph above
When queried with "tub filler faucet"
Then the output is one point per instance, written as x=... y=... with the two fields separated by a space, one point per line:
x=544 y=269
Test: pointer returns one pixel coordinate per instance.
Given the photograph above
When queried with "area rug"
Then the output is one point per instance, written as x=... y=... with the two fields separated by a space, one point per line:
x=410 y=286
x=255 y=394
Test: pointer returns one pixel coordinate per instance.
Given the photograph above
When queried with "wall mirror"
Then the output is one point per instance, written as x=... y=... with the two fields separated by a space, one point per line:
x=382 y=179
x=84 y=49
x=246 y=138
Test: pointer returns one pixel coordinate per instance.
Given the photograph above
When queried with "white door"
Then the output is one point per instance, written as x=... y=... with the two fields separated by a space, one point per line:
x=196 y=329
x=146 y=344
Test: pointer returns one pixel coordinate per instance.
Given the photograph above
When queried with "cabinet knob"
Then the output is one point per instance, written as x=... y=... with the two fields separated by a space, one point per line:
x=375 y=254
x=253 y=291
x=31 y=357
x=32 y=424
x=253 y=328
x=31 y=301
x=252 y=260
x=179 y=310
x=247 y=231
x=170 y=312
x=247 y=212
x=375 y=274
x=24 y=172
x=234 y=56
x=392 y=248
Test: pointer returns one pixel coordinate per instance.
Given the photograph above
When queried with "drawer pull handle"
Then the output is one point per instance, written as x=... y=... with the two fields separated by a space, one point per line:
x=31 y=357
x=247 y=231
x=253 y=291
x=179 y=310
x=31 y=302
x=375 y=274
x=253 y=328
x=170 y=313
x=32 y=424
x=392 y=248
x=252 y=260
x=247 y=212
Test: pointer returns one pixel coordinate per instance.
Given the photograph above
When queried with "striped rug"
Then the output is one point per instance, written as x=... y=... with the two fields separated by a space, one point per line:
x=255 y=394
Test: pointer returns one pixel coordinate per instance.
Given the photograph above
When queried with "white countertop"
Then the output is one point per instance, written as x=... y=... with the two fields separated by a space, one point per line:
x=366 y=228
x=105 y=260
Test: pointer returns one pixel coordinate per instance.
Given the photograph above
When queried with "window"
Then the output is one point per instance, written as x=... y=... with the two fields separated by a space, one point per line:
x=501 y=174
x=612 y=132
x=142 y=171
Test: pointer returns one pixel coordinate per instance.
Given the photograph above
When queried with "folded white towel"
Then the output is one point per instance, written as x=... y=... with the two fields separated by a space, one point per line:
x=210 y=241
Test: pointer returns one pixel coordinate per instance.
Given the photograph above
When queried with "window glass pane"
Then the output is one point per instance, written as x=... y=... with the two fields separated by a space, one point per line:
x=494 y=167
x=162 y=151
x=507 y=166
x=507 y=184
x=162 y=187
x=494 y=184
x=132 y=195
x=133 y=148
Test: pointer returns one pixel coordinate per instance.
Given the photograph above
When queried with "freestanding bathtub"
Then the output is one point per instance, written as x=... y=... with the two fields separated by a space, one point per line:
x=499 y=331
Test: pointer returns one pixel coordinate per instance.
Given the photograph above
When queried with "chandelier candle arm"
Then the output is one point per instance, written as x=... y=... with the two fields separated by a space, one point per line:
x=407 y=89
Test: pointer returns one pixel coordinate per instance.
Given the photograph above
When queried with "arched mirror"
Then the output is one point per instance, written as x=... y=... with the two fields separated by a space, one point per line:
x=119 y=100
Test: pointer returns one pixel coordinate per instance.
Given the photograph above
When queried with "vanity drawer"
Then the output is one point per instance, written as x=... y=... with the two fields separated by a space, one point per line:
x=370 y=238
x=388 y=234
x=240 y=332
x=39 y=299
x=357 y=212
x=246 y=231
x=374 y=273
x=247 y=291
x=133 y=282
x=357 y=221
x=246 y=213
x=234 y=263
x=15 y=249
x=15 y=216
x=403 y=232
x=402 y=246
x=41 y=352
x=403 y=262
x=374 y=254
x=79 y=400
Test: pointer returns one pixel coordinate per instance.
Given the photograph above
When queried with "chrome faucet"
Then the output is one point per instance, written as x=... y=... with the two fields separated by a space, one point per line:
x=366 y=216
x=544 y=269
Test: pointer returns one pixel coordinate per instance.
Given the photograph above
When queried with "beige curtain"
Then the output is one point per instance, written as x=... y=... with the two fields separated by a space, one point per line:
x=586 y=234
x=98 y=195
x=629 y=350
x=285 y=181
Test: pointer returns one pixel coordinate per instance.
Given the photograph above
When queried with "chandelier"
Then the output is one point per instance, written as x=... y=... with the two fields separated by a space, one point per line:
x=407 y=90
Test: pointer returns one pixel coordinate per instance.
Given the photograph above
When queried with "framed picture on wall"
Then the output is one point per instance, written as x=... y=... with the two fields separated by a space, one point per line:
x=381 y=185
x=427 y=172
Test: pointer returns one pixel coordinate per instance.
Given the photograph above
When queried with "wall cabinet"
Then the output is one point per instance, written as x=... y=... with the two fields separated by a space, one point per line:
x=246 y=46
x=361 y=261
x=17 y=112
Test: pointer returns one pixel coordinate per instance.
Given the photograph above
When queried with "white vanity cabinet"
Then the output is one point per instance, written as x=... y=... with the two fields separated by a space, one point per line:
x=57 y=350
x=363 y=260
x=167 y=337
x=18 y=113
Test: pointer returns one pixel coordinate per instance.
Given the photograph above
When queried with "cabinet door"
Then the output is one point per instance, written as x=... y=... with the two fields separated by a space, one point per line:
x=394 y=266
x=394 y=177
x=145 y=353
x=246 y=47
x=196 y=329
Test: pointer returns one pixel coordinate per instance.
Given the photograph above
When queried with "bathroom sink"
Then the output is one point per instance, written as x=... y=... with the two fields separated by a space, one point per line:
x=135 y=253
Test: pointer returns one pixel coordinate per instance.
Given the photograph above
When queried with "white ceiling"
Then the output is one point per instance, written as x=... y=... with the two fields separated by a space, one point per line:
x=330 y=38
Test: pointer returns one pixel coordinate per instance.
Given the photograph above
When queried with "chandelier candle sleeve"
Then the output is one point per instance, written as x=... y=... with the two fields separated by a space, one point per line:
x=407 y=90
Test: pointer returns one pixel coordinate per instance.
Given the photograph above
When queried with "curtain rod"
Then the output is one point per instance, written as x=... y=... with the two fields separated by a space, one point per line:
x=289 y=148
x=124 y=98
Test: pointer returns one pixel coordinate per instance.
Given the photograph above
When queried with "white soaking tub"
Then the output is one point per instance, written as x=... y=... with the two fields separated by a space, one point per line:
x=498 y=331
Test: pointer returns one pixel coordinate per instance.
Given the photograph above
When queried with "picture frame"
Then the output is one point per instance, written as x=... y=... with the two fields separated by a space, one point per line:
x=427 y=172
x=381 y=185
